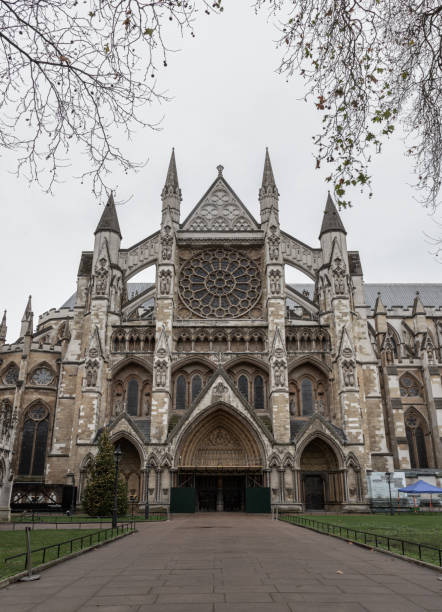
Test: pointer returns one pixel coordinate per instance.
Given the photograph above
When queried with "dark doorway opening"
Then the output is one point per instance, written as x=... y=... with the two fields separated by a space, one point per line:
x=314 y=492
x=222 y=492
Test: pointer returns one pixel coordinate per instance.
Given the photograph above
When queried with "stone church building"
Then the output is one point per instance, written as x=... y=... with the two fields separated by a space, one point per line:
x=223 y=385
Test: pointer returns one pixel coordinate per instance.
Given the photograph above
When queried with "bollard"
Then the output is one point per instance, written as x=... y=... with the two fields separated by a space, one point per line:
x=30 y=575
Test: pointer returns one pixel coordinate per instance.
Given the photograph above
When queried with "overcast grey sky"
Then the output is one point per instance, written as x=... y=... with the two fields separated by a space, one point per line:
x=228 y=105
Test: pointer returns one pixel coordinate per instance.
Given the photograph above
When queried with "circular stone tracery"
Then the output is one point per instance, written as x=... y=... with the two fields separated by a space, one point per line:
x=220 y=284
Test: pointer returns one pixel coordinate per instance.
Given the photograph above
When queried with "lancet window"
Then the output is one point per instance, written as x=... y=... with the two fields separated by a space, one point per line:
x=416 y=429
x=34 y=441
x=132 y=391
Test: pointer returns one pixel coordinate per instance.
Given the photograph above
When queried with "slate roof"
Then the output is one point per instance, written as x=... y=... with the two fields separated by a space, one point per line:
x=393 y=294
x=331 y=221
x=109 y=219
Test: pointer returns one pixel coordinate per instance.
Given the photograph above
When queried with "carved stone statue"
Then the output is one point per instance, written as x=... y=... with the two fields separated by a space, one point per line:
x=165 y=281
x=91 y=372
x=166 y=243
x=5 y=419
x=101 y=277
x=273 y=242
x=161 y=373
x=339 y=274
x=275 y=282
x=279 y=372
x=348 y=372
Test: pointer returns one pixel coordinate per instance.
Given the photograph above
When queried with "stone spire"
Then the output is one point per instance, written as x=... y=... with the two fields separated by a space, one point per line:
x=171 y=194
x=3 y=329
x=268 y=193
x=27 y=322
x=331 y=221
x=380 y=316
x=109 y=218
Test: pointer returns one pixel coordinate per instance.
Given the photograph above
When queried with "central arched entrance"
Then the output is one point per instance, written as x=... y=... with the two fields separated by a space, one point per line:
x=322 y=477
x=221 y=459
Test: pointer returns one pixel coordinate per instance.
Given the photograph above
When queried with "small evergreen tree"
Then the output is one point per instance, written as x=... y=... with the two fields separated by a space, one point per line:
x=98 y=497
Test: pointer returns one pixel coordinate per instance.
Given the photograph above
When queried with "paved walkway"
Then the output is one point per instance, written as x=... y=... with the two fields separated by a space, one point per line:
x=228 y=563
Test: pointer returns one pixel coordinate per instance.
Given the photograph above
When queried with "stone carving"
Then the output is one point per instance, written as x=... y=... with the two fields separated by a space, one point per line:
x=165 y=281
x=11 y=375
x=219 y=391
x=348 y=372
x=339 y=274
x=220 y=212
x=5 y=419
x=220 y=283
x=166 y=243
x=275 y=282
x=279 y=372
x=42 y=376
x=273 y=242
x=161 y=373
x=389 y=350
x=101 y=277
x=92 y=366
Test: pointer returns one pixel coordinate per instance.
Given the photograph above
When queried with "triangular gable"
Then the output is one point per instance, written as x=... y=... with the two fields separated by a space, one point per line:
x=125 y=425
x=220 y=388
x=345 y=346
x=220 y=210
x=317 y=423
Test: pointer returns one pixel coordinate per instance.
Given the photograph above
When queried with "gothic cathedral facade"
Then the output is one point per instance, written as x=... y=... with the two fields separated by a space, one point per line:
x=221 y=376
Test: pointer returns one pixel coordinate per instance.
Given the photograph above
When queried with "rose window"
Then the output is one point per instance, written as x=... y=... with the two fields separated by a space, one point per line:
x=220 y=284
x=42 y=376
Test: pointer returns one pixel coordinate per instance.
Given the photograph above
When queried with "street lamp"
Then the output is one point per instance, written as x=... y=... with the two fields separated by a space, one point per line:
x=388 y=477
x=117 y=454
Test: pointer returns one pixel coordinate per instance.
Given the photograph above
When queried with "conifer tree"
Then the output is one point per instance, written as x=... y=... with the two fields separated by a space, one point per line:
x=98 y=497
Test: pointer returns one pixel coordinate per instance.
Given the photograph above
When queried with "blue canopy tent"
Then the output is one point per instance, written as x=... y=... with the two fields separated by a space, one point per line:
x=420 y=487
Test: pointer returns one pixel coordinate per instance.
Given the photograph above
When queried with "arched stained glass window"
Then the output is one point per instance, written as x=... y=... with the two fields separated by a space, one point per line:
x=180 y=400
x=410 y=440
x=258 y=393
x=420 y=447
x=132 y=397
x=416 y=441
x=197 y=384
x=409 y=387
x=33 y=442
x=307 y=397
x=243 y=386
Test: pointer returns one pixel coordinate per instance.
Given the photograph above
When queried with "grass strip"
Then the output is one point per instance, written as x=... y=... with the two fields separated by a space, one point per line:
x=405 y=535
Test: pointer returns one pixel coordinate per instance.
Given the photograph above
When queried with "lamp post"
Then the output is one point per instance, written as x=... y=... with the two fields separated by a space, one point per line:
x=388 y=477
x=117 y=454
x=71 y=475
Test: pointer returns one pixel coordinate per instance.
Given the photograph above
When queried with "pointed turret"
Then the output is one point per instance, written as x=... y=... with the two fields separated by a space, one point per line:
x=380 y=315
x=331 y=221
x=419 y=315
x=268 y=193
x=109 y=218
x=171 y=194
x=27 y=322
x=3 y=329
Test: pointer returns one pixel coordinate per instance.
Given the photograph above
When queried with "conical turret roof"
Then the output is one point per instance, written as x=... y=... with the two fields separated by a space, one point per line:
x=172 y=174
x=109 y=218
x=331 y=221
x=268 y=180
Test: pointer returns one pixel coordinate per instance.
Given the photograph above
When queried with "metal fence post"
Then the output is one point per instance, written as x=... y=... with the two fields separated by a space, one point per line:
x=30 y=575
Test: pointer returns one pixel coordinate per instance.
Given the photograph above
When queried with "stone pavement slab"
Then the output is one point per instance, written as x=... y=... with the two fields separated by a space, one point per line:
x=228 y=563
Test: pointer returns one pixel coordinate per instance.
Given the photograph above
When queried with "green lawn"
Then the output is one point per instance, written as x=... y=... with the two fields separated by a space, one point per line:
x=418 y=529
x=14 y=542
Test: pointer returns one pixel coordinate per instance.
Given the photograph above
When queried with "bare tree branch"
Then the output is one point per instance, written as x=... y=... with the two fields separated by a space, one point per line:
x=368 y=65
x=82 y=72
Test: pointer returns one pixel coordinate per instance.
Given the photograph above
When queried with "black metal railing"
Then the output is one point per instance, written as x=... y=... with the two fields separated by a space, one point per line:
x=414 y=550
x=18 y=563
x=39 y=518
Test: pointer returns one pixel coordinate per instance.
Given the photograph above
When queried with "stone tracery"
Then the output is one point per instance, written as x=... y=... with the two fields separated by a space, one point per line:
x=220 y=284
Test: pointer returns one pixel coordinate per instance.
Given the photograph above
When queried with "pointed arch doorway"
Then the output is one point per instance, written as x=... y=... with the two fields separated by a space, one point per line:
x=219 y=460
x=322 y=475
